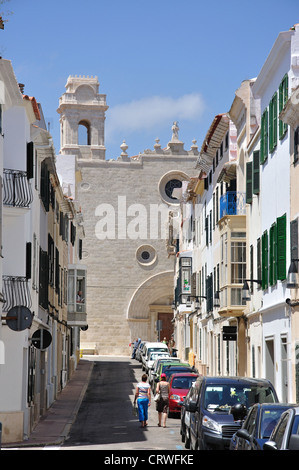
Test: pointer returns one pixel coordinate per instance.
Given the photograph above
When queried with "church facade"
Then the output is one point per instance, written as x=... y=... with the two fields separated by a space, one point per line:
x=125 y=204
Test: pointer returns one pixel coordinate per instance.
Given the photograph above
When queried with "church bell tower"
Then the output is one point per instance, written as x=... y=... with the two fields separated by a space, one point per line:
x=82 y=119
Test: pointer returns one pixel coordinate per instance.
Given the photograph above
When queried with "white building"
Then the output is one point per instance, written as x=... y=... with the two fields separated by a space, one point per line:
x=276 y=80
x=18 y=115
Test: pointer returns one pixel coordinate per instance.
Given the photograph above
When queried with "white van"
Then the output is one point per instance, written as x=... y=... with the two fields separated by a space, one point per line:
x=150 y=347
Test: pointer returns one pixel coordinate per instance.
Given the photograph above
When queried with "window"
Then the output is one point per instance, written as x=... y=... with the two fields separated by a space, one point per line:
x=83 y=133
x=273 y=123
x=76 y=278
x=265 y=260
x=238 y=262
x=264 y=137
x=256 y=172
x=281 y=247
x=283 y=97
x=249 y=182
x=272 y=255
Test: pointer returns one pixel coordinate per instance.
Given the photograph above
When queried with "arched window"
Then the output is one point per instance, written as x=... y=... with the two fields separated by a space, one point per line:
x=83 y=133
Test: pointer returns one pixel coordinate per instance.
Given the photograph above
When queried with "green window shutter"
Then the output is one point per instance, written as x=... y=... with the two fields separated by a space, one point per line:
x=265 y=260
x=273 y=123
x=256 y=172
x=274 y=120
x=258 y=259
x=281 y=247
x=283 y=97
x=272 y=256
x=248 y=182
x=264 y=136
x=262 y=139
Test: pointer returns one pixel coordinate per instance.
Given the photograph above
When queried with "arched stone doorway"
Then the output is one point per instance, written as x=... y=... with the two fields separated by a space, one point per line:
x=151 y=302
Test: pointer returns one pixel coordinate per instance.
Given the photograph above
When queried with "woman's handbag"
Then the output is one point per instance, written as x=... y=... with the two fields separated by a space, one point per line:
x=157 y=396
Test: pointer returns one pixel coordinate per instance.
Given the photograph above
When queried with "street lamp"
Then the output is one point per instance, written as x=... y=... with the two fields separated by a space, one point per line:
x=245 y=289
x=293 y=275
x=216 y=299
x=197 y=297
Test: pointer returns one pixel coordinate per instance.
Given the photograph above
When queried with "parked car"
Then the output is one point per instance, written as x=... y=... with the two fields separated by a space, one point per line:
x=185 y=415
x=169 y=370
x=285 y=435
x=153 y=356
x=258 y=426
x=180 y=384
x=155 y=367
x=139 y=350
x=150 y=347
x=219 y=407
x=171 y=367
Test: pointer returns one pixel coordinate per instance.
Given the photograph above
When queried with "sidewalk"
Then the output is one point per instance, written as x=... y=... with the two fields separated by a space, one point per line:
x=54 y=426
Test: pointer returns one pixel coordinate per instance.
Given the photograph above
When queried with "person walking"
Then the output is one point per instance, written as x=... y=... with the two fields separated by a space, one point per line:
x=163 y=402
x=143 y=397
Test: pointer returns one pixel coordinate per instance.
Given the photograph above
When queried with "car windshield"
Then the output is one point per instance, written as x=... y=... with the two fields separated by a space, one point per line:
x=155 y=355
x=222 y=397
x=168 y=373
x=156 y=350
x=183 y=382
x=269 y=419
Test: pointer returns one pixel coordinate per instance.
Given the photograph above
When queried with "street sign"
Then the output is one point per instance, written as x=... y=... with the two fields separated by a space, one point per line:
x=229 y=333
x=41 y=339
x=18 y=318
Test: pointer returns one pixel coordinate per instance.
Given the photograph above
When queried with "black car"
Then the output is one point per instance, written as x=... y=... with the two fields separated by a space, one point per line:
x=185 y=416
x=258 y=426
x=219 y=407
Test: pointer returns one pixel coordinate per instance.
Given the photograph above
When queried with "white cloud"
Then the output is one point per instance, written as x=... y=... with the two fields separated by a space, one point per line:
x=151 y=113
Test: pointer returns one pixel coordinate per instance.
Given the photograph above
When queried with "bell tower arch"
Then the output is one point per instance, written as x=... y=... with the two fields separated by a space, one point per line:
x=82 y=118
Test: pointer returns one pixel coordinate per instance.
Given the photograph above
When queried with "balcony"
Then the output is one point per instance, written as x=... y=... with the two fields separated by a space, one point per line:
x=17 y=190
x=231 y=303
x=233 y=203
x=15 y=292
x=76 y=303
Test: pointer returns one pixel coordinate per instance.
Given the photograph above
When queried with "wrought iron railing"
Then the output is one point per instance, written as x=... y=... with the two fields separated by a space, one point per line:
x=17 y=190
x=233 y=203
x=15 y=292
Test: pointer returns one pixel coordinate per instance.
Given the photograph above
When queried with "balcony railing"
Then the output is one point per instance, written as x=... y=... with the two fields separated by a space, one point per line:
x=15 y=292
x=233 y=203
x=17 y=190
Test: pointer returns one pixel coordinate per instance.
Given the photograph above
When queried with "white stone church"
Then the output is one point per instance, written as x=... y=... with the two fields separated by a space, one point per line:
x=125 y=205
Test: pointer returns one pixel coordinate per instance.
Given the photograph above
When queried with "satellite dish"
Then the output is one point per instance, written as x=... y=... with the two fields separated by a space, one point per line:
x=41 y=339
x=19 y=318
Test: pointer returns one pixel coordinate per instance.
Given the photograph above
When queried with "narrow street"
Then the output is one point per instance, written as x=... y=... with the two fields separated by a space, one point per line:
x=105 y=420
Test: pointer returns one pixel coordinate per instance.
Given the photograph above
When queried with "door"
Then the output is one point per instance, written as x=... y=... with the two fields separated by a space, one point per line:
x=166 y=325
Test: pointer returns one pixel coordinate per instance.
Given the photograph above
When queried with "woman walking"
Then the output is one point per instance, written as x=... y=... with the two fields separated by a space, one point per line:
x=143 y=397
x=163 y=402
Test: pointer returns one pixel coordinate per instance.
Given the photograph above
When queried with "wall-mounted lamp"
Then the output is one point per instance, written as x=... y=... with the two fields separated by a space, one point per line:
x=197 y=297
x=216 y=299
x=245 y=289
x=292 y=282
x=292 y=304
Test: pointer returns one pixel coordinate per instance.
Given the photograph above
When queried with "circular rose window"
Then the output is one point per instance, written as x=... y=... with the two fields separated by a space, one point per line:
x=146 y=255
x=170 y=185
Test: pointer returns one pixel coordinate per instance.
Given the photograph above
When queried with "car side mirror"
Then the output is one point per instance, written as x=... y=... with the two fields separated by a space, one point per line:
x=191 y=406
x=270 y=445
x=244 y=434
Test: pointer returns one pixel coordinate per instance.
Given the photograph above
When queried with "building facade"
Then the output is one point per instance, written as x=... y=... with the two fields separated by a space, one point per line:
x=250 y=234
x=125 y=203
x=41 y=232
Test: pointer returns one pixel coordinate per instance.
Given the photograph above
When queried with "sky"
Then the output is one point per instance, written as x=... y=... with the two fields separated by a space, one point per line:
x=158 y=61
